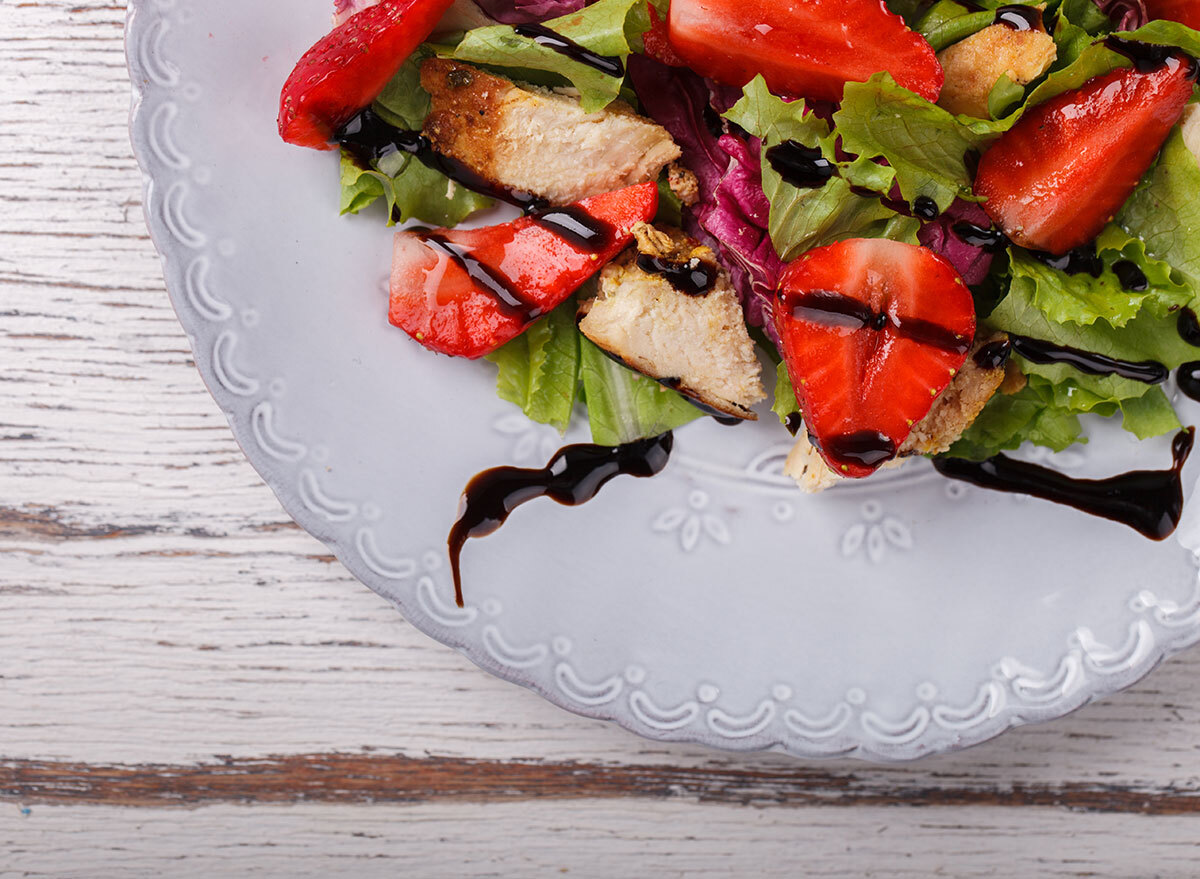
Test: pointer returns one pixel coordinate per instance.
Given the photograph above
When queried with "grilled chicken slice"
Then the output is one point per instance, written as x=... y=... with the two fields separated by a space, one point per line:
x=539 y=140
x=952 y=413
x=694 y=342
x=975 y=64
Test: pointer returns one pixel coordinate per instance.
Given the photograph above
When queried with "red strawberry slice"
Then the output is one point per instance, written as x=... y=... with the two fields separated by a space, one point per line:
x=348 y=68
x=657 y=43
x=466 y=292
x=810 y=48
x=873 y=330
x=1056 y=178
x=1184 y=11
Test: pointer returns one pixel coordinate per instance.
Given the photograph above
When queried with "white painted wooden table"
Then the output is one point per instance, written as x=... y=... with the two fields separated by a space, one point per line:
x=191 y=685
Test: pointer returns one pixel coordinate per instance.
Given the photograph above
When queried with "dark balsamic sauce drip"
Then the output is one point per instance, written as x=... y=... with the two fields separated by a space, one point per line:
x=830 y=309
x=577 y=226
x=801 y=166
x=1149 y=371
x=993 y=355
x=574 y=475
x=1149 y=501
x=498 y=286
x=1148 y=58
x=925 y=208
x=1078 y=261
x=1019 y=18
x=793 y=423
x=863 y=448
x=1187 y=377
x=369 y=139
x=990 y=240
x=568 y=48
x=693 y=277
x=1189 y=327
x=1131 y=277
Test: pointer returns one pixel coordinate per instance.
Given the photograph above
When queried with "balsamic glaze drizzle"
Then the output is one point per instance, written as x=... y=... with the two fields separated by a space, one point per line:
x=993 y=355
x=801 y=166
x=1077 y=261
x=1039 y=351
x=1131 y=277
x=1149 y=501
x=1019 y=18
x=492 y=281
x=543 y=36
x=863 y=448
x=1189 y=327
x=990 y=240
x=827 y=308
x=693 y=277
x=1148 y=57
x=574 y=475
x=793 y=423
x=577 y=226
x=1187 y=377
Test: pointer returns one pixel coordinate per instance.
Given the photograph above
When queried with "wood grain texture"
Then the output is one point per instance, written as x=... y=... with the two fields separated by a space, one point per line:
x=603 y=839
x=168 y=637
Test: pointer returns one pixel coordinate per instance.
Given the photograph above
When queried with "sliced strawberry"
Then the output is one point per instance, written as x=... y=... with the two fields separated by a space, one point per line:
x=1056 y=178
x=349 y=67
x=466 y=292
x=873 y=330
x=810 y=48
x=1184 y=11
x=657 y=44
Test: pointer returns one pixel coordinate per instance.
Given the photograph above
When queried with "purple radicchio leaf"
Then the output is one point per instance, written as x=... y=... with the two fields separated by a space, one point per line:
x=731 y=215
x=528 y=11
x=1126 y=15
x=343 y=9
x=971 y=262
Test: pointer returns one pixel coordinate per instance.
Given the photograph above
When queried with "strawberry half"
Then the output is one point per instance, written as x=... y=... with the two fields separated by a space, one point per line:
x=1184 y=11
x=873 y=330
x=349 y=67
x=810 y=48
x=1056 y=178
x=466 y=292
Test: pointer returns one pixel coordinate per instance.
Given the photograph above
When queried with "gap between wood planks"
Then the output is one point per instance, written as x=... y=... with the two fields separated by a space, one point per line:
x=364 y=778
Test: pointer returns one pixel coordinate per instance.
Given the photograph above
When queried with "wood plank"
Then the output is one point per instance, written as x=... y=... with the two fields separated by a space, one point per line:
x=369 y=778
x=585 y=838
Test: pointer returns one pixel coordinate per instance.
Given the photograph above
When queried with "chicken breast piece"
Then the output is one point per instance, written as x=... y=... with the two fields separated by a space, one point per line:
x=973 y=65
x=697 y=344
x=952 y=413
x=539 y=140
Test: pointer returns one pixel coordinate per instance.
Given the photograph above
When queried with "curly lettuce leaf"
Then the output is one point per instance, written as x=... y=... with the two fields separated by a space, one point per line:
x=607 y=27
x=1164 y=210
x=803 y=218
x=623 y=405
x=926 y=145
x=539 y=369
x=1010 y=420
x=1083 y=299
x=1145 y=337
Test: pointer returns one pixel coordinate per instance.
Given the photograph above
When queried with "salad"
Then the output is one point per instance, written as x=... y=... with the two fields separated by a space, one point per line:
x=952 y=227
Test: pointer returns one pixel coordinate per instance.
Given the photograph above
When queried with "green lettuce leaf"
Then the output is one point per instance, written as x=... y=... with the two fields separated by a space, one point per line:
x=925 y=145
x=1010 y=420
x=1164 y=211
x=624 y=406
x=1083 y=299
x=1145 y=337
x=539 y=369
x=804 y=218
x=410 y=189
x=607 y=27
x=784 y=403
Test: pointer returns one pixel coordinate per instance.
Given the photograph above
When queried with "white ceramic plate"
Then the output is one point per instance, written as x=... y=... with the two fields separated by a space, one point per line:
x=889 y=619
